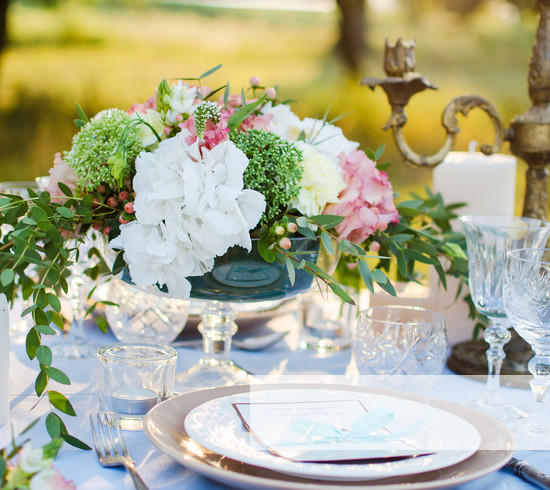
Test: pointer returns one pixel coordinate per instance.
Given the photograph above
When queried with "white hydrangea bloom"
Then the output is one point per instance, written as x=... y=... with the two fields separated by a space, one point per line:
x=321 y=181
x=190 y=207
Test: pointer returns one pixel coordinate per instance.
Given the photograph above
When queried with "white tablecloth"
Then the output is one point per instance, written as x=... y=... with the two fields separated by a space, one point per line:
x=160 y=471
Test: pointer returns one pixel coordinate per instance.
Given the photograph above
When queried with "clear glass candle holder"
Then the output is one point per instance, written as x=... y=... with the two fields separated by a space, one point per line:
x=401 y=347
x=327 y=322
x=133 y=378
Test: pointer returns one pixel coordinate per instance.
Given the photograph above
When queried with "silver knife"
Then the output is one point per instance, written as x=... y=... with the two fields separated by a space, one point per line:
x=529 y=473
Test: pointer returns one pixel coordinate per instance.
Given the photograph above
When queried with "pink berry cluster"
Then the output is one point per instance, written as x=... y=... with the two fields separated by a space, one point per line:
x=122 y=204
x=270 y=92
x=282 y=231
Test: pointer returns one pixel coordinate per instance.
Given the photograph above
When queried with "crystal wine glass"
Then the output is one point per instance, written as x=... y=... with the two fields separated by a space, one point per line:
x=489 y=238
x=73 y=344
x=527 y=305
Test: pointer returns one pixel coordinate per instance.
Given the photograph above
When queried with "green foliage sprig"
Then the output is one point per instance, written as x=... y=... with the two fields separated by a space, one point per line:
x=423 y=235
x=38 y=243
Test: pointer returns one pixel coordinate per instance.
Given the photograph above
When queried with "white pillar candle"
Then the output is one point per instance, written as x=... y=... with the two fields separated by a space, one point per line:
x=4 y=360
x=487 y=184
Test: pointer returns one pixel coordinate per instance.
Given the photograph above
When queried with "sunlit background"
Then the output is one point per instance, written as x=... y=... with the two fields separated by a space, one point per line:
x=107 y=53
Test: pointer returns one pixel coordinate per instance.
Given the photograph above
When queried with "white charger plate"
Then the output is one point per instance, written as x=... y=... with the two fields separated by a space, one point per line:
x=164 y=426
x=216 y=426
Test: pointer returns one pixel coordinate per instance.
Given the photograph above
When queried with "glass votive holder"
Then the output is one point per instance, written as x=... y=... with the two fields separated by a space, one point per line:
x=133 y=378
x=402 y=347
x=327 y=322
x=144 y=314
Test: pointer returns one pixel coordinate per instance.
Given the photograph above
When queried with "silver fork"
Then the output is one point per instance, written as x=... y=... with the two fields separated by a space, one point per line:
x=108 y=451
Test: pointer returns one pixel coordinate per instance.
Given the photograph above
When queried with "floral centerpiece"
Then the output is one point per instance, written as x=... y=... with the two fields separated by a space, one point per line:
x=176 y=181
x=23 y=466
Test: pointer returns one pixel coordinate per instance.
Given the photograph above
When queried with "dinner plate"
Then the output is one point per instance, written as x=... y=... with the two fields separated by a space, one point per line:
x=442 y=437
x=164 y=426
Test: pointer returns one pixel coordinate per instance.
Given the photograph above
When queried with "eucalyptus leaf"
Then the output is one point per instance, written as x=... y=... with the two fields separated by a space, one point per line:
x=6 y=277
x=58 y=375
x=61 y=402
x=44 y=355
x=53 y=425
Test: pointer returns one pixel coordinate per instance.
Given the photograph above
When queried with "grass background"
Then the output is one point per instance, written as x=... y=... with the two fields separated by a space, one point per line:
x=101 y=56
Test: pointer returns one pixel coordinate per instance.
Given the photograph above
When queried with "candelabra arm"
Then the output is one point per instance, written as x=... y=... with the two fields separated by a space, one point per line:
x=402 y=82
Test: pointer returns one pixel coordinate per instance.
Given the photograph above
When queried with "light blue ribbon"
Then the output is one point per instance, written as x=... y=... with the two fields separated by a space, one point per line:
x=363 y=430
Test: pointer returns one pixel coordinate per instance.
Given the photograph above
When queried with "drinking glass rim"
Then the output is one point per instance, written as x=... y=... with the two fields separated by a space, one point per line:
x=516 y=254
x=438 y=317
x=161 y=352
x=470 y=219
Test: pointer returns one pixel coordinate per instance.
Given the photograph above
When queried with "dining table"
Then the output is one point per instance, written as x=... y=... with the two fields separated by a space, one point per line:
x=161 y=471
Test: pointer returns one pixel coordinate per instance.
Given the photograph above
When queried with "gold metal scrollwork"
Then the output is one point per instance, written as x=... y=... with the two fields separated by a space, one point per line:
x=402 y=83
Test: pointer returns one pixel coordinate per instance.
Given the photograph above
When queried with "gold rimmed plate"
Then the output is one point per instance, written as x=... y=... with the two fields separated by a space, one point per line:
x=164 y=426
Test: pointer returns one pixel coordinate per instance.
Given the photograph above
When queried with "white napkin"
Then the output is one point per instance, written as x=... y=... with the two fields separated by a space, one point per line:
x=4 y=360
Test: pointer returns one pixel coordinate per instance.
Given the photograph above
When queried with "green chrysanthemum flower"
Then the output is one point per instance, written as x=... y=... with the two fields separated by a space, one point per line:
x=274 y=169
x=98 y=140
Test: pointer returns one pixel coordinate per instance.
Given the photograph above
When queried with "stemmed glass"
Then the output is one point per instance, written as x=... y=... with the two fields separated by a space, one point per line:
x=237 y=277
x=489 y=238
x=527 y=304
x=74 y=344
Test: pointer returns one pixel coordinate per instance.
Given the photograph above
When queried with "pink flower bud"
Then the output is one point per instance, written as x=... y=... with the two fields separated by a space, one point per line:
x=96 y=226
x=179 y=118
x=374 y=247
x=129 y=207
x=65 y=233
x=270 y=93
x=167 y=130
x=106 y=230
x=255 y=81
x=285 y=243
x=112 y=201
x=280 y=230
x=291 y=227
x=101 y=189
x=122 y=220
x=123 y=195
x=351 y=265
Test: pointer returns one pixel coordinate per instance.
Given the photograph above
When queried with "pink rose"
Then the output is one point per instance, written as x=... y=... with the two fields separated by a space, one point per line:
x=367 y=201
x=256 y=122
x=60 y=172
x=58 y=482
x=150 y=103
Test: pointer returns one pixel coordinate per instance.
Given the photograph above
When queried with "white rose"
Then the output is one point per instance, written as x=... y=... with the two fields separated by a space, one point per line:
x=41 y=481
x=321 y=181
x=32 y=460
x=145 y=134
x=326 y=137
x=284 y=123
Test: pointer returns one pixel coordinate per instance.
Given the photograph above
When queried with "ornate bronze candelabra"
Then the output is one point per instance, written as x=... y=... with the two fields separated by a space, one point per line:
x=529 y=133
